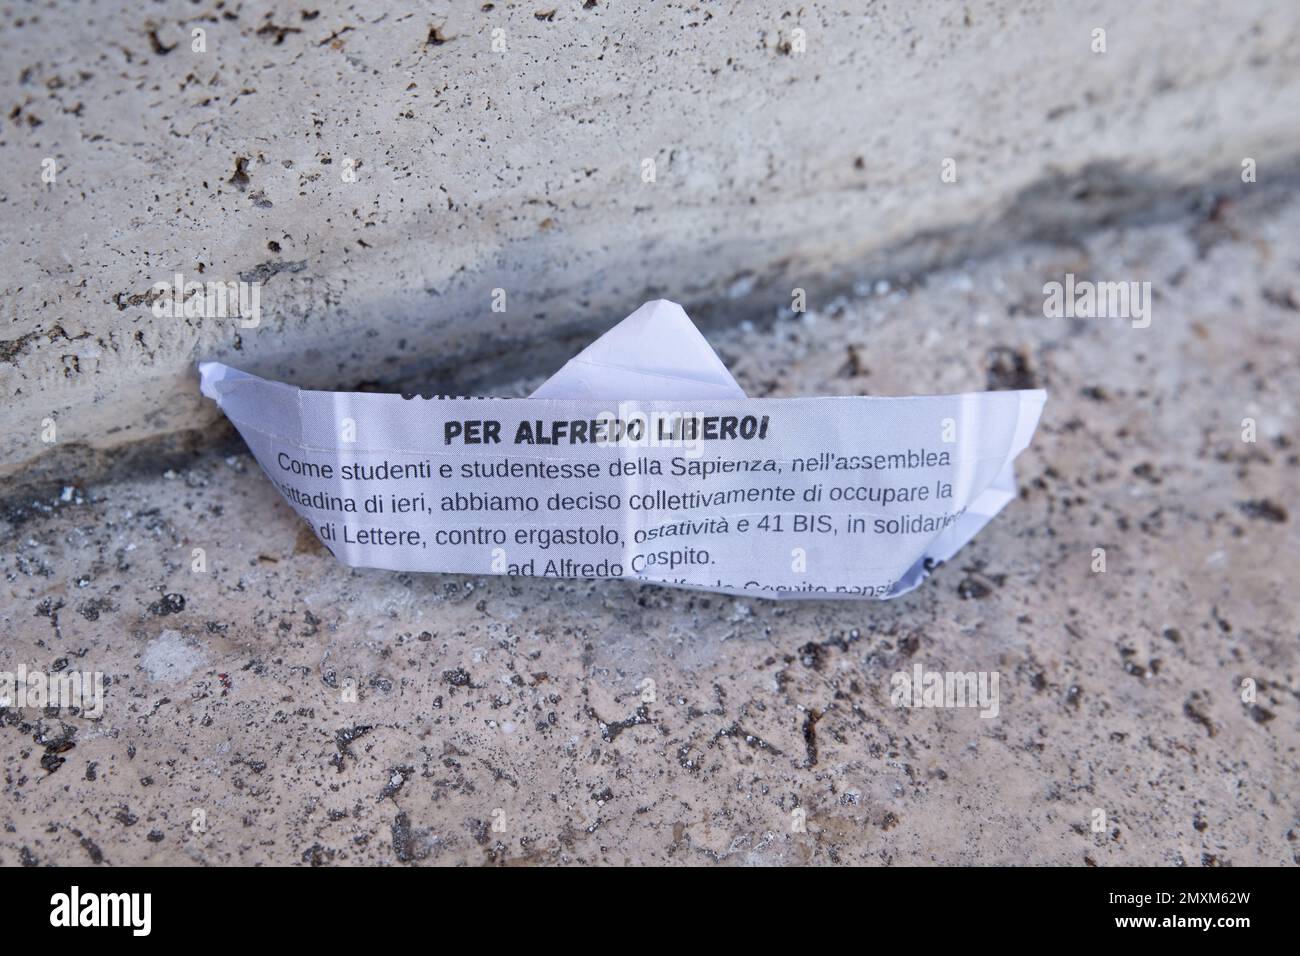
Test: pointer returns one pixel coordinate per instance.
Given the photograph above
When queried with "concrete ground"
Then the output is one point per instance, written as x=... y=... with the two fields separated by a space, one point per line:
x=502 y=721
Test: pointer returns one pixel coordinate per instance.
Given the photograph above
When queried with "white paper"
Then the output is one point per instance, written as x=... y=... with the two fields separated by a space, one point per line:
x=656 y=352
x=806 y=497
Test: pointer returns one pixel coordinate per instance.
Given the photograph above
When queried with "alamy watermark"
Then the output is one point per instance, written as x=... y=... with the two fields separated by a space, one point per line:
x=130 y=910
x=1084 y=299
x=937 y=689
x=82 y=691
x=209 y=300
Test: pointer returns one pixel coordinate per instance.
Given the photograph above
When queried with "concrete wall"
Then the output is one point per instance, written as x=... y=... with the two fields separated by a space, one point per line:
x=479 y=169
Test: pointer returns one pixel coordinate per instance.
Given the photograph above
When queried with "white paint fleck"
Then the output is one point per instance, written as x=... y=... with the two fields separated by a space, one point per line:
x=170 y=658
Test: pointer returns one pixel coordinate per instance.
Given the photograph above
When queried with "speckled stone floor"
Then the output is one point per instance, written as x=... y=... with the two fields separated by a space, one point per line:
x=280 y=708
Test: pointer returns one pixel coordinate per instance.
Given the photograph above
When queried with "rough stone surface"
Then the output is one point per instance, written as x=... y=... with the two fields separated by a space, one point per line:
x=781 y=160
x=483 y=701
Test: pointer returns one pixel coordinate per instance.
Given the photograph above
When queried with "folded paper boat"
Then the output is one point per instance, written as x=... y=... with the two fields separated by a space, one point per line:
x=641 y=459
